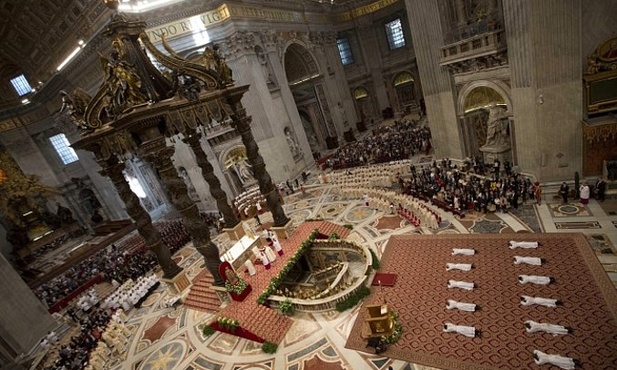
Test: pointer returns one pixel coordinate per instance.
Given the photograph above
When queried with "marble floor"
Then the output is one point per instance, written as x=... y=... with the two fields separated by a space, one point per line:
x=167 y=338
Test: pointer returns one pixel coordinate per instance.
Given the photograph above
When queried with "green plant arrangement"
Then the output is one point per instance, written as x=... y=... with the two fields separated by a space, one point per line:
x=334 y=236
x=353 y=299
x=286 y=307
x=398 y=329
x=227 y=323
x=290 y=264
x=348 y=226
x=207 y=331
x=375 y=264
x=269 y=347
x=236 y=288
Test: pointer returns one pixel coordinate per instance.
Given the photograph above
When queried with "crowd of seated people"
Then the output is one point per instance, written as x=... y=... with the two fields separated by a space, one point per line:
x=117 y=262
x=453 y=190
x=249 y=202
x=388 y=143
x=74 y=354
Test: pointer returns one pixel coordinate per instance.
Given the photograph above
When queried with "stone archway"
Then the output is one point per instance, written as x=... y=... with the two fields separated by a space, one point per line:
x=485 y=115
x=404 y=88
x=306 y=85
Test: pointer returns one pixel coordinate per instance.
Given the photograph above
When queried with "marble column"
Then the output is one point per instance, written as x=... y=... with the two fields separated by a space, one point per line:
x=23 y=318
x=242 y=124
x=207 y=172
x=437 y=83
x=544 y=53
x=114 y=170
x=160 y=157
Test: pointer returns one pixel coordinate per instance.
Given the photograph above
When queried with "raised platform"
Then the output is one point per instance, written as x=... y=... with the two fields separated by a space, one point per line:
x=260 y=323
x=419 y=296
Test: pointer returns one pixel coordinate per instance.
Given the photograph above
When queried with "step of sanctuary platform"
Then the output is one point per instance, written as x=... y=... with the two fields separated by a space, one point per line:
x=201 y=297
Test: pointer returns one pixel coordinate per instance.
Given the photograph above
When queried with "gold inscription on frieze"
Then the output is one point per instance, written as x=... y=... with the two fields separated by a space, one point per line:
x=231 y=11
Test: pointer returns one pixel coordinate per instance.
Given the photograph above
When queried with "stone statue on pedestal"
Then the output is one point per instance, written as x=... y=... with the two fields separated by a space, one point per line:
x=497 y=146
x=497 y=127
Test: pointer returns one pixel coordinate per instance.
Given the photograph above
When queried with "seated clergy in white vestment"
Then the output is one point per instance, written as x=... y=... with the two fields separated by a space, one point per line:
x=518 y=260
x=547 y=302
x=468 y=331
x=452 y=304
x=460 y=284
x=526 y=245
x=542 y=358
x=463 y=251
x=534 y=279
x=458 y=266
x=535 y=327
x=250 y=267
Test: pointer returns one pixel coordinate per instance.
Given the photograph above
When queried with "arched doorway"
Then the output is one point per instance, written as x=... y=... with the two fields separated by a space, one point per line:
x=307 y=88
x=486 y=122
x=364 y=103
x=404 y=87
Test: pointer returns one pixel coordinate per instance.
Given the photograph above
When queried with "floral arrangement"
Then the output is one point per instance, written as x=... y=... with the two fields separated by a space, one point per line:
x=207 y=331
x=375 y=263
x=236 y=288
x=353 y=299
x=286 y=307
x=269 y=347
x=290 y=264
x=397 y=332
x=227 y=323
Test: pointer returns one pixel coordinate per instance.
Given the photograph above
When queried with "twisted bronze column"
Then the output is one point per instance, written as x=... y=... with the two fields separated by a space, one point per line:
x=113 y=169
x=242 y=124
x=160 y=157
x=207 y=172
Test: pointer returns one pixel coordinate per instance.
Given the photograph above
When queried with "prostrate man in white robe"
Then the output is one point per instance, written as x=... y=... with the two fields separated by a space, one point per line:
x=458 y=266
x=547 y=302
x=565 y=363
x=535 y=327
x=463 y=251
x=468 y=331
x=460 y=284
x=534 y=279
x=452 y=304
x=535 y=261
x=525 y=245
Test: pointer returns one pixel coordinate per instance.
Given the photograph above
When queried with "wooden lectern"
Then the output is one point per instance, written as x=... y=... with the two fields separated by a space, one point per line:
x=377 y=322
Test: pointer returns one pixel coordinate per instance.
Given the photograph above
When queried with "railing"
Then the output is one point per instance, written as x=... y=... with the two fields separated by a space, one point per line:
x=319 y=305
x=329 y=303
x=480 y=45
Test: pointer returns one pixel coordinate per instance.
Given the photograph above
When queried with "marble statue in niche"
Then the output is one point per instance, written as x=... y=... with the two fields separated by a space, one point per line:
x=292 y=142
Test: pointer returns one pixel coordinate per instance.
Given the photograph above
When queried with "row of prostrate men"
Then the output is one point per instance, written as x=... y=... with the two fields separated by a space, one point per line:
x=530 y=326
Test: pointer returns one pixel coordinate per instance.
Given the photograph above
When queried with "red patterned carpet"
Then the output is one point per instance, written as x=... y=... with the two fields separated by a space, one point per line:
x=589 y=302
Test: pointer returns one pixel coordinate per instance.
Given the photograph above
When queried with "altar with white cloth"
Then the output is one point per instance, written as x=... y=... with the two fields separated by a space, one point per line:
x=241 y=251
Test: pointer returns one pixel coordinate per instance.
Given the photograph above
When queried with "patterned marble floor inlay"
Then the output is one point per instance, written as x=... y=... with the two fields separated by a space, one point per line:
x=578 y=225
x=166 y=358
x=569 y=210
x=484 y=226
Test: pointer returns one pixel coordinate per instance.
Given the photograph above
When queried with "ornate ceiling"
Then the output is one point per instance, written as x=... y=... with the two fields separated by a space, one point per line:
x=37 y=35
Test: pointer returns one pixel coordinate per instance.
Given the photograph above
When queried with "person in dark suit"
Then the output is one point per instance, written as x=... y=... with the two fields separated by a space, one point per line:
x=600 y=189
x=563 y=191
